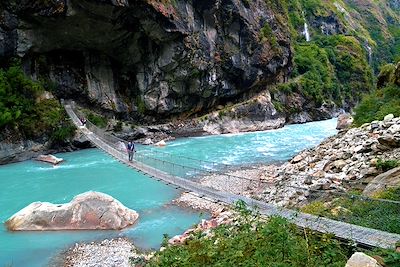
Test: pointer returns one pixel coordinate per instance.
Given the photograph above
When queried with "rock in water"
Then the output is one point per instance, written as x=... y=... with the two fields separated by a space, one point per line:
x=160 y=143
x=87 y=211
x=50 y=159
x=344 y=121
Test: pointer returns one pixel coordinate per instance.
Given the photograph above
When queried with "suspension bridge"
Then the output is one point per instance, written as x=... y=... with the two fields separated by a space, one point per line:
x=156 y=165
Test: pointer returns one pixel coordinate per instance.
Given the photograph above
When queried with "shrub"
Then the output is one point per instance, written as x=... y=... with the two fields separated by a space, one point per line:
x=253 y=241
x=20 y=111
x=141 y=106
x=17 y=95
x=379 y=103
x=63 y=133
x=97 y=120
x=385 y=165
x=266 y=34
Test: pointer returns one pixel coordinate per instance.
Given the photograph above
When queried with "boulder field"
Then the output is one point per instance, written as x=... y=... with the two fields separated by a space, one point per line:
x=87 y=211
x=348 y=158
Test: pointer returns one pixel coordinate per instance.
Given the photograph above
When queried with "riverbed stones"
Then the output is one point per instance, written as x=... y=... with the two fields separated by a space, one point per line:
x=87 y=211
x=115 y=252
x=327 y=168
x=350 y=156
x=360 y=259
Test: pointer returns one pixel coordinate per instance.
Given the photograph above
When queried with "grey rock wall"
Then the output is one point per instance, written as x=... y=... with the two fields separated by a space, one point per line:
x=152 y=57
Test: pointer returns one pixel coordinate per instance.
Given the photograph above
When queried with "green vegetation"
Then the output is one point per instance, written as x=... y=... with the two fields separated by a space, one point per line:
x=372 y=23
x=64 y=132
x=362 y=211
x=96 y=119
x=329 y=69
x=23 y=110
x=266 y=34
x=221 y=113
x=335 y=67
x=382 y=101
x=141 y=106
x=385 y=165
x=253 y=241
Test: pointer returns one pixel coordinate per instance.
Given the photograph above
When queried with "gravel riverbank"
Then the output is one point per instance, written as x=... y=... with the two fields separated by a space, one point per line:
x=108 y=253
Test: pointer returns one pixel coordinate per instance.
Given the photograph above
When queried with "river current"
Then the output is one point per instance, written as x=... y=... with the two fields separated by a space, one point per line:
x=29 y=181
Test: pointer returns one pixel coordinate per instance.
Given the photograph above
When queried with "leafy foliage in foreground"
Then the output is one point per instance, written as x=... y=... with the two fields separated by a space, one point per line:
x=364 y=212
x=255 y=242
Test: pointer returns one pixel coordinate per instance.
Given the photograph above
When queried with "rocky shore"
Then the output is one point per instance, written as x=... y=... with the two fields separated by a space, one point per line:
x=112 y=253
x=346 y=160
x=11 y=152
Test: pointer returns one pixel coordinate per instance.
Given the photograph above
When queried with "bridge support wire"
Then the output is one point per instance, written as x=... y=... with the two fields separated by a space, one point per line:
x=112 y=145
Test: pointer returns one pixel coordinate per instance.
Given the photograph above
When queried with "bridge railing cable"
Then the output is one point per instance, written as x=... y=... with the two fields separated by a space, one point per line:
x=198 y=166
x=190 y=169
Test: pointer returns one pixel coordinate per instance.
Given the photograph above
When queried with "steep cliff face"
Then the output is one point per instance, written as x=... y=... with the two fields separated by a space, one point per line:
x=337 y=47
x=374 y=23
x=155 y=57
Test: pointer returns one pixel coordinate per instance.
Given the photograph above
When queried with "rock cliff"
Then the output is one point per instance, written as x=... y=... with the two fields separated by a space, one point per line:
x=162 y=57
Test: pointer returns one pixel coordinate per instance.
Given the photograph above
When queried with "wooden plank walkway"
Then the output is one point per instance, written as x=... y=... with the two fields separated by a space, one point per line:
x=358 y=234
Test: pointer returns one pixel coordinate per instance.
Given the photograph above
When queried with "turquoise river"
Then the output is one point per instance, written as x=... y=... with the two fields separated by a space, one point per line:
x=29 y=181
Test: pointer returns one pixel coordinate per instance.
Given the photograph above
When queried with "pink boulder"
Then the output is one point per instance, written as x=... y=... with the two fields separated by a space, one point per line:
x=87 y=211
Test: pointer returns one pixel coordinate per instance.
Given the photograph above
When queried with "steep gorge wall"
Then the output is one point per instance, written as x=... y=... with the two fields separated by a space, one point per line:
x=155 y=57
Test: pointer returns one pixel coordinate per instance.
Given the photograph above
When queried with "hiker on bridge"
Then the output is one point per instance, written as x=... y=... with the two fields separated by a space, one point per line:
x=83 y=121
x=131 y=149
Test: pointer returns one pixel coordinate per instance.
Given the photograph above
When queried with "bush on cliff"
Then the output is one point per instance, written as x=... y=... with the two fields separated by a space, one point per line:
x=384 y=100
x=253 y=241
x=22 y=114
x=330 y=68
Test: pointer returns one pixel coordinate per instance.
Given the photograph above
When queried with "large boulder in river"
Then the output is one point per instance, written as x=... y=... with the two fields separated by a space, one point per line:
x=49 y=159
x=87 y=211
x=390 y=178
x=344 y=121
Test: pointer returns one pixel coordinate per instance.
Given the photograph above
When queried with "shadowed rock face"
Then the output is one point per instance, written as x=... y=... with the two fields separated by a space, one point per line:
x=159 y=57
x=87 y=211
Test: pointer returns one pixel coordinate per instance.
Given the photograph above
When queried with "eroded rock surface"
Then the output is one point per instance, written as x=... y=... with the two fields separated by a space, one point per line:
x=87 y=211
x=160 y=57
x=381 y=182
